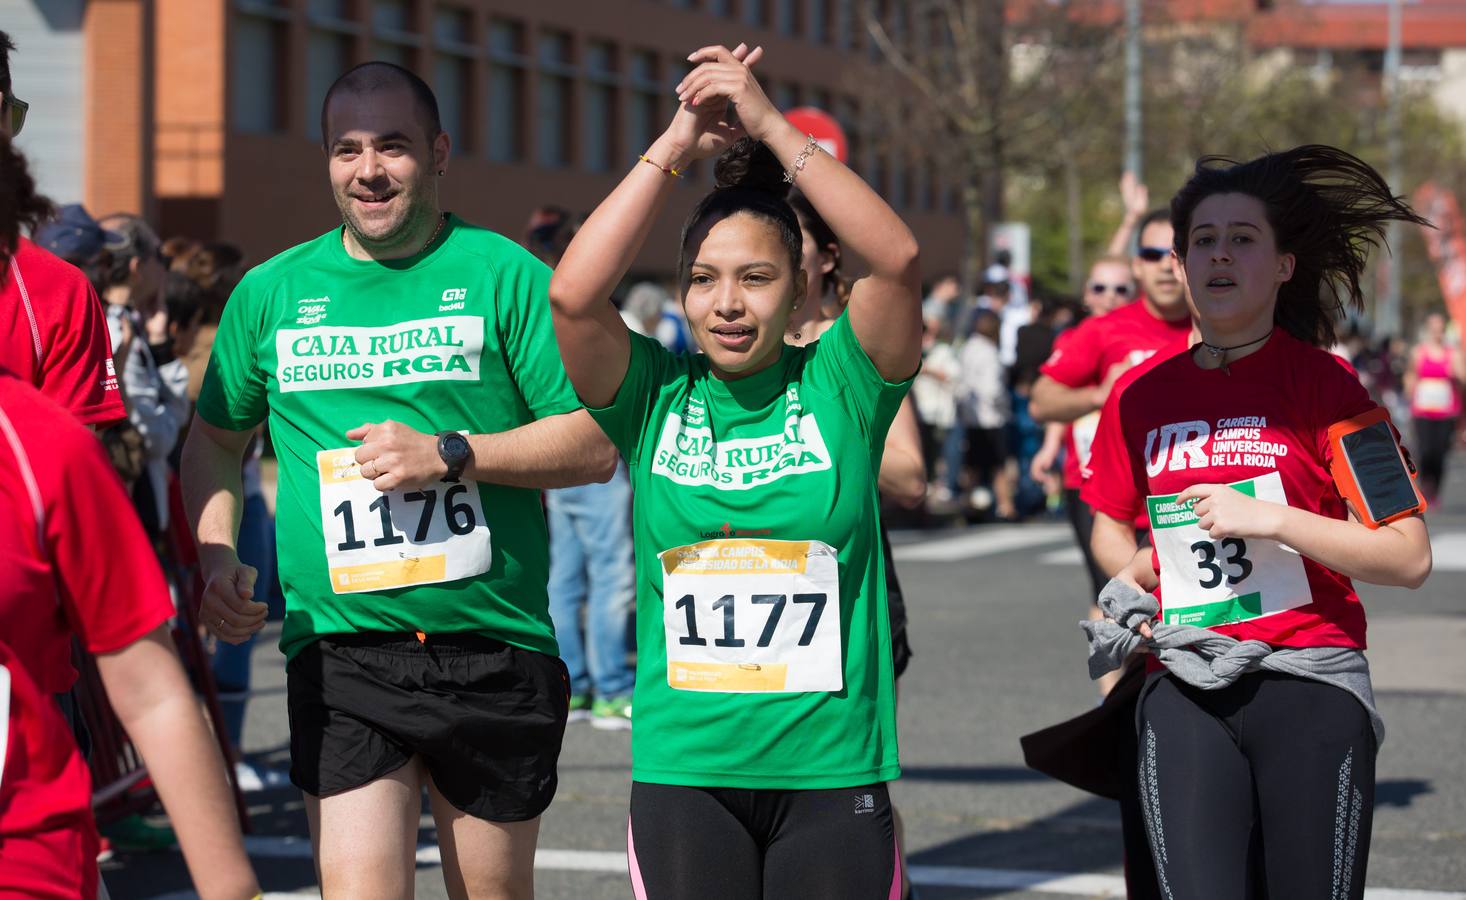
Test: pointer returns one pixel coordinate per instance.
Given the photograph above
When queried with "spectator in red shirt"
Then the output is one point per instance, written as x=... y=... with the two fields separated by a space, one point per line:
x=52 y=331
x=58 y=496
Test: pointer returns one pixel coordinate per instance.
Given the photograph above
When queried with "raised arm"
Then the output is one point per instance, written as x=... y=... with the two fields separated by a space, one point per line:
x=1136 y=198
x=885 y=306
x=593 y=339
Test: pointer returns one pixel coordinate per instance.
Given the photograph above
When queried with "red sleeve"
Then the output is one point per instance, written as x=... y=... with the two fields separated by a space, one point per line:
x=1075 y=359
x=1116 y=485
x=76 y=348
x=1340 y=397
x=107 y=576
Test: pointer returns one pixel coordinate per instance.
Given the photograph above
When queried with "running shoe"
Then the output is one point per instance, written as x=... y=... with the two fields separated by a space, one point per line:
x=611 y=714
x=580 y=708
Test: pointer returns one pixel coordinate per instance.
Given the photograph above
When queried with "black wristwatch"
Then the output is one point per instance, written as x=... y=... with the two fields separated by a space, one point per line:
x=455 y=452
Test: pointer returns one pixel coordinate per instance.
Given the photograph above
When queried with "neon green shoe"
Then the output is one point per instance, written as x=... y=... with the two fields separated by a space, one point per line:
x=611 y=714
x=580 y=708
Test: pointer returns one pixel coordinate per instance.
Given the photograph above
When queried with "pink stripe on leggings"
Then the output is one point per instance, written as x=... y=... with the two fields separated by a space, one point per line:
x=638 y=887
x=895 y=872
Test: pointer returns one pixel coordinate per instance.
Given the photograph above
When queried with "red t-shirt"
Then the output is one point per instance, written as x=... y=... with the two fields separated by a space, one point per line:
x=74 y=556
x=1265 y=422
x=53 y=334
x=1083 y=356
x=48 y=841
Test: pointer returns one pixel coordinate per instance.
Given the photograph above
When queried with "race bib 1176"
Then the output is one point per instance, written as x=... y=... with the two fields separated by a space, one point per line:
x=752 y=616
x=376 y=540
x=1206 y=582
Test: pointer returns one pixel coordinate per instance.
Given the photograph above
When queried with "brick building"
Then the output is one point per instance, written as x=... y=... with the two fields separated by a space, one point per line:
x=546 y=102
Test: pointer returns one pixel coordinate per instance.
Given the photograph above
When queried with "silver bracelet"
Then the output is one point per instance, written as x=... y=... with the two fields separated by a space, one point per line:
x=810 y=146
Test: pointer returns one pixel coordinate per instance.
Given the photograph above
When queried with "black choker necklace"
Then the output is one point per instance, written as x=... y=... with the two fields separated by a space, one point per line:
x=1220 y=353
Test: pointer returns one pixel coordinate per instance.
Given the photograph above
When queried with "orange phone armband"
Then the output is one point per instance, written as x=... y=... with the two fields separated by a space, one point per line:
x=1371 y=470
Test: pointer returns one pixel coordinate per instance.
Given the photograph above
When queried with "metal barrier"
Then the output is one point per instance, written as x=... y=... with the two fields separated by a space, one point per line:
x=120 y=783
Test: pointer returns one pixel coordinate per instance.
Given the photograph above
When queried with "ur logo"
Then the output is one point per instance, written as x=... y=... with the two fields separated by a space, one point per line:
x=1176 y=446
x=864 y=804
x=453 y=298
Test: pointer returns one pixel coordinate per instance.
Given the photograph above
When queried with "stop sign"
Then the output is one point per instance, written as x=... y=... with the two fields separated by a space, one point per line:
x=823 y=127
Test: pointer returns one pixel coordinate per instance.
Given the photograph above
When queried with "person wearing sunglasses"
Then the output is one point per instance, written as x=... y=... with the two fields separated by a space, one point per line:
x=1110 y=285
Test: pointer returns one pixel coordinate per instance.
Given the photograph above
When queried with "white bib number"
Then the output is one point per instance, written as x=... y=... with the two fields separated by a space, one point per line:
x=1206 y=582
x=752 y=616
x=1434 y=394
x=376 y=540
x=1085 y=428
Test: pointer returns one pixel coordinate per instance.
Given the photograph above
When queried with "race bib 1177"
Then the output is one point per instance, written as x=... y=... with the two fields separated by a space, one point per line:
x=752 y=616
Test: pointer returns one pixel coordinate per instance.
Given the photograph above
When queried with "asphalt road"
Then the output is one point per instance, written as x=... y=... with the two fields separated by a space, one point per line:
x=998 y=654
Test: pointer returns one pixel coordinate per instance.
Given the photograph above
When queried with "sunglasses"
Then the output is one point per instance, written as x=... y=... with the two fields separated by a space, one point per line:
x=1153 y=254
x=1119 y=290
x=15 y=109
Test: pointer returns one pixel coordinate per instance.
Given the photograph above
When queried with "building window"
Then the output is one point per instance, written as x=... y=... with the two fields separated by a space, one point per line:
x=393 y=39
x=256 y=101
x=452 y=70
x=784 y=95
x=327 y=56
x=844 y=24
x=506 y=91
x=598 y=122
x=754 y=14
x=644 y=115
x=817 y=21
x=786 y=16
x=553 y=100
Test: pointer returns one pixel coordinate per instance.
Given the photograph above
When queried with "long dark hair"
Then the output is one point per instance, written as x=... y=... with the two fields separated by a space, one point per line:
x=21 y=208
x=747 y=178
x=831 y=282
x=1326 y=207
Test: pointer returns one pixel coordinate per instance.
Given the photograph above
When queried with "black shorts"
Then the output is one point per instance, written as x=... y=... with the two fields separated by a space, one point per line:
x=486 y=718
x=733 y=843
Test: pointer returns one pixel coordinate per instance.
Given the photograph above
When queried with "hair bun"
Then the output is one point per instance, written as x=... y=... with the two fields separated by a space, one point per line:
x=750 y=165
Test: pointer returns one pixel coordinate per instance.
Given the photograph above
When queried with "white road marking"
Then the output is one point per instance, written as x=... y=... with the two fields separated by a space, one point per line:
x=982 y=542
x=1074 y=884
x=1068 y=556
x=1448 y=551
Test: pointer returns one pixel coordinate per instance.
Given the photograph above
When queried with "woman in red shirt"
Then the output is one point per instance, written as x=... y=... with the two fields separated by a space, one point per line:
x=1272 y=733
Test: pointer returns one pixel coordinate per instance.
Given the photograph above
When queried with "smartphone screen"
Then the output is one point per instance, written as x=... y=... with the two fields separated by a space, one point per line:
x=1379 y=471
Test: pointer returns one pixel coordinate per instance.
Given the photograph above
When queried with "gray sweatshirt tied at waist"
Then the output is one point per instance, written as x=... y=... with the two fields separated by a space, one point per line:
x=1210 y=661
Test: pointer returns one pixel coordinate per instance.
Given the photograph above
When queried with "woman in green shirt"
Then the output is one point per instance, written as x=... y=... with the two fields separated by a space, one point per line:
x=765 y=722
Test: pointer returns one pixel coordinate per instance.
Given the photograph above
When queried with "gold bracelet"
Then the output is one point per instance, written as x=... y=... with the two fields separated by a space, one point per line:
x=810 y=146
x=667 y=169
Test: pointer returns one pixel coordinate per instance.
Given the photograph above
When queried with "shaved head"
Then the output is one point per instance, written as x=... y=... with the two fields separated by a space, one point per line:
x=382 y=77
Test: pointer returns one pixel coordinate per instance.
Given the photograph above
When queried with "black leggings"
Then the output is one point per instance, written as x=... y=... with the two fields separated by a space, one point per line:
x=735 y=844
x=1432 y=443
x=1081 y=519
x=1264 y=789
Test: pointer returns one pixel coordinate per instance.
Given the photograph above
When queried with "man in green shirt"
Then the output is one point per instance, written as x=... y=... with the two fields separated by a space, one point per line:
x=416 y=401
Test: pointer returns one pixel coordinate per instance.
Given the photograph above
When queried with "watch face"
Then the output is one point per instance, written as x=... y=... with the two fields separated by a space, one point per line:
x=455 y=445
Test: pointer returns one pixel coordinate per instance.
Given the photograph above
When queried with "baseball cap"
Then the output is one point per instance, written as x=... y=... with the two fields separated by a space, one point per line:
x=75 y=236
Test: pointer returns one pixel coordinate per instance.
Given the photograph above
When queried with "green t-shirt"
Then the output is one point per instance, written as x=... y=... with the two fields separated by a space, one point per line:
x=743 y=488
x=457 y=337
